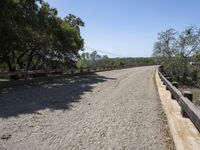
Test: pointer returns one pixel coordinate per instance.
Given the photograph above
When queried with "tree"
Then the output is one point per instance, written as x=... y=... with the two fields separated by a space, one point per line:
x=74 y=21
x=165 y=47
x=177 y=49
x=34 y=37
x=188 y=44
x=166 y=44
x=93 y=56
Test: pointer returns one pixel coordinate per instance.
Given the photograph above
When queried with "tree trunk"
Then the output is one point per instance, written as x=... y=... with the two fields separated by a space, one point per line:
x=30 y=58
x=185 y=69
x=37 y=63
x=19 y=62
x=10 y=66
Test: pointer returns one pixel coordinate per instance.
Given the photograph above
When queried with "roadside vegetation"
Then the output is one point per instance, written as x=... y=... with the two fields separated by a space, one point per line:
x=95 y=61
x=180 y=54
x=35 y=38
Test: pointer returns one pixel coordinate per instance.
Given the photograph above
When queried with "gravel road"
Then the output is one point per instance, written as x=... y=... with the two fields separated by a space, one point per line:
x=117 y=109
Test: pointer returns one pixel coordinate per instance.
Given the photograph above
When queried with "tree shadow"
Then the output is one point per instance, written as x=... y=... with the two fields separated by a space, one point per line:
x=57 y=94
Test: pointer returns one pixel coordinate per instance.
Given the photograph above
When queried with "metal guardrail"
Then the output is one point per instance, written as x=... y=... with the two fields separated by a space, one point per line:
x=186 y=105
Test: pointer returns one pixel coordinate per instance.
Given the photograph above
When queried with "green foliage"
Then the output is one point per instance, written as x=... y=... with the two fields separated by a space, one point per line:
x=81 y=64
x=177 y=51
x=166 y=44
x=34 y=37
x=94 y=60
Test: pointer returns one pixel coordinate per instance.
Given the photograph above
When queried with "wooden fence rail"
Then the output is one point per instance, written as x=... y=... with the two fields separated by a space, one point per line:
x=24 y=73
x=42 y=73
x=186 y=105
x=29 y=77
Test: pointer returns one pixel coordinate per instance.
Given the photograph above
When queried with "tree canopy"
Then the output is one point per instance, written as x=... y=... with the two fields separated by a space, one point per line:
x=96 y=61
x=178 y=50
x=34 y=37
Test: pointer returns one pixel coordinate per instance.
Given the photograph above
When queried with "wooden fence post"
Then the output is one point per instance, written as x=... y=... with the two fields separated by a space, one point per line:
x=175 y=84
x=81 y=70
x=170 y=80
x=161 y=68
x=189 y=95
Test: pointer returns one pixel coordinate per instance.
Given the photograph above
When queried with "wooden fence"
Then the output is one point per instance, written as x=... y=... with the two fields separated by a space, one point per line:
x=193 y=113
x=19 y=78
x=23 y=74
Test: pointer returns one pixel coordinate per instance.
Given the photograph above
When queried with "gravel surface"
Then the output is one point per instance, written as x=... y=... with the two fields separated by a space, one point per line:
x=117 y=109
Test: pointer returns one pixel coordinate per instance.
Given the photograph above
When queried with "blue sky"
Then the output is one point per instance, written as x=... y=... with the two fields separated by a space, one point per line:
x=128 y=27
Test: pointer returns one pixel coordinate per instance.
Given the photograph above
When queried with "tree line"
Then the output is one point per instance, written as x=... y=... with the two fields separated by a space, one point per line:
x=94 y=60
x=180 y=53
x=34 y=37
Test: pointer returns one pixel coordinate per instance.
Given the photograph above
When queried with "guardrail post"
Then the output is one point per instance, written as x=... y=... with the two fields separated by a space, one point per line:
x=81 y=70
x=176 y=85
x=164 y=75
x=162 y=79
x=161 y=68
x=189 y=95
x=169 y=79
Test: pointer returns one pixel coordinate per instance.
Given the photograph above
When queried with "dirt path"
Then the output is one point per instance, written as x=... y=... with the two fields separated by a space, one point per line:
x=109 y=110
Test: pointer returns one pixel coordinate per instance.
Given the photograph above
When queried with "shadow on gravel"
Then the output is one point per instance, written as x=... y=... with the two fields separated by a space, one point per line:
x=55 y=95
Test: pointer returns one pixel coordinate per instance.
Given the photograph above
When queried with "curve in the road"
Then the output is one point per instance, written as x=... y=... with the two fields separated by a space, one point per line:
x=117 y=109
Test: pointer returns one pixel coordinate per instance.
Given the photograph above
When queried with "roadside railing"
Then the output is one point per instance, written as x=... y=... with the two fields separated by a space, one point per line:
x=21 y=77
x=30 y=73
x=188 y=109
x=25 y=74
